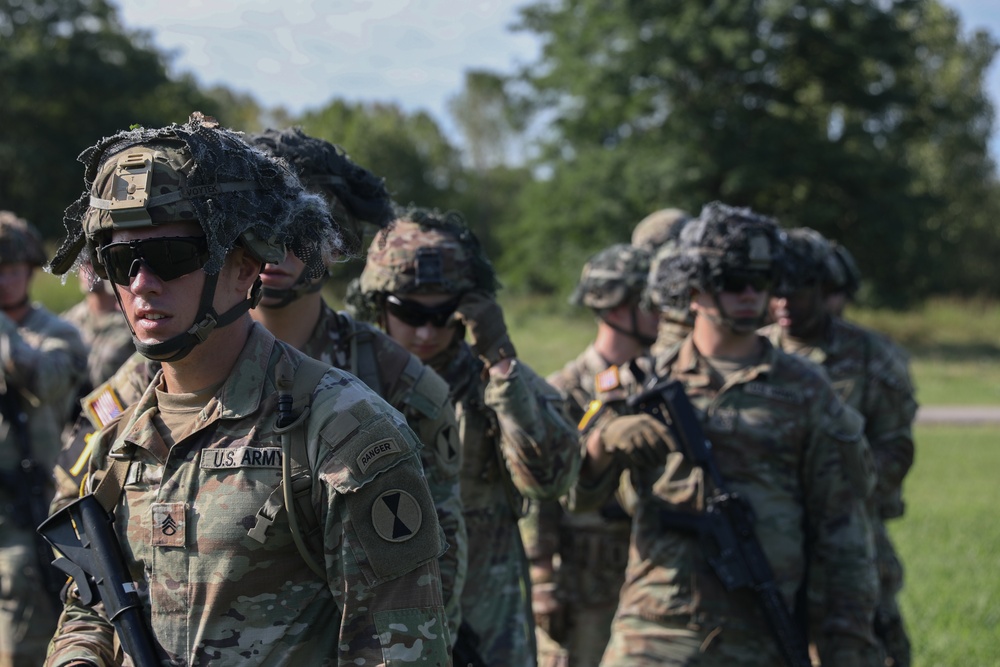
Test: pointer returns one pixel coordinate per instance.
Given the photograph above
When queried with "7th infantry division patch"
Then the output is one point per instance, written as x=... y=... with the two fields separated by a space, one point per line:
x=396 y=516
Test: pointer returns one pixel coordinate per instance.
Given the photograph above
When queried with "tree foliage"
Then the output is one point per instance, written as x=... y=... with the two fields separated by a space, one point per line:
x=69 y=74
x=865 y=120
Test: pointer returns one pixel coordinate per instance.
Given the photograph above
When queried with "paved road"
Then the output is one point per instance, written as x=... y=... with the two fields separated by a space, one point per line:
x=955 y=414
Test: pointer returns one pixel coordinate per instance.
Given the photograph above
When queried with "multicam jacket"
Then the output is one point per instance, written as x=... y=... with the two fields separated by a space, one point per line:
x=516 y=445
x=776 y=429
x=870 y=376
x=422 y=396
x=214 y=594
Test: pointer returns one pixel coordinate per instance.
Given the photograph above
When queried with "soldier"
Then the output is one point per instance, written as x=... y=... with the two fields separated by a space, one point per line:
x=102 y=327
x=293 y=309
x=428 y=284
x=658 y=228
x=871 y=378
x=776 y=430
x=667 y=291
x=42 y=363
x=181 y=220
x=843 y=279
x=575 y=604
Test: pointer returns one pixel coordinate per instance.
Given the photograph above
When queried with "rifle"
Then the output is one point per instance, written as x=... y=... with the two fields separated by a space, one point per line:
x=726 y=527
x=466 y=650
x=29 y=485
x=83 y=533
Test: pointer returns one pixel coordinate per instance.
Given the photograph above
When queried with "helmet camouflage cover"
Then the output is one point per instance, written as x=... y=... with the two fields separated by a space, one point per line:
x=203 y=173
x=843 y=274
x=668 y=290
x=806 y=259
x=724 y=239
x=425 y=251
x=19 y=241
x=612 y=277
x=355 y=195
x=659 y=227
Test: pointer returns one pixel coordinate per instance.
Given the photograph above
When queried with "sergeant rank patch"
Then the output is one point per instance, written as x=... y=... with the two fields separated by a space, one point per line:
x=396 y=516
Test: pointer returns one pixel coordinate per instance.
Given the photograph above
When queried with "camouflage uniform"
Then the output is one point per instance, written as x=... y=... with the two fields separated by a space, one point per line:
x=42 y=363
x=516 y=444
x=777 y=431
x=869 y=375
x=107 y=339
x=575 y=609
x=251 y=603
x=207 y=537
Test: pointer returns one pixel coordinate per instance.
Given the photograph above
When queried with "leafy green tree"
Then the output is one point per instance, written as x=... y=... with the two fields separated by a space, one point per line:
x=70 y=73
x=843 y=116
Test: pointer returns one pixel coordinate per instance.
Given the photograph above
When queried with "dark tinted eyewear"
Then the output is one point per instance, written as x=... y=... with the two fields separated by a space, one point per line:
x=167 y=257
x=417 y=314
x=736 y=283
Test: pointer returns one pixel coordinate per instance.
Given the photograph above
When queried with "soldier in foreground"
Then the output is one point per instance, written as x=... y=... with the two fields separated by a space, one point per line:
x=293 y=309
x=870 y=377
x=574 y=604
x=428 y=284
x=42 y=363
x=776 y=430
x=229 y=568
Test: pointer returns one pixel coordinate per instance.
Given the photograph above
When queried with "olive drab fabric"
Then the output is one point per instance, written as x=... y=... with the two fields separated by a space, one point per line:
x=189 y=509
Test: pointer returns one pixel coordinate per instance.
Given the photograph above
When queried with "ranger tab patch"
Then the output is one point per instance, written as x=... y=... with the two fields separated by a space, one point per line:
x=373 y=453
x=396 y=516
x=607 y=380
x=241 y=457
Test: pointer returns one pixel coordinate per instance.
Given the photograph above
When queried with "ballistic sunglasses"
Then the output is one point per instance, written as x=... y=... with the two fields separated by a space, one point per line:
x=735 y=282
x=168 y=257
x=417 y=314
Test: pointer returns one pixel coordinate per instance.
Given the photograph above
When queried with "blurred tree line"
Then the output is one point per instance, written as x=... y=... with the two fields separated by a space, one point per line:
x=866 y=120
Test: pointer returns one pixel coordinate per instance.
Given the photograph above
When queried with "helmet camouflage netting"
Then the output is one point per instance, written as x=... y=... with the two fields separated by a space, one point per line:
x=612 y=277
x=19 y=241
x=725 y=239
x=668 y=290
x=355 y=195
x=843 y=274
x=203 y=173
x=806 y=258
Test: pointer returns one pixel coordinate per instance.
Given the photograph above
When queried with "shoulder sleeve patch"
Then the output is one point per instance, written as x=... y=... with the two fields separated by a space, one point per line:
x=103 y=406
x=375 y=445
x=607 y=380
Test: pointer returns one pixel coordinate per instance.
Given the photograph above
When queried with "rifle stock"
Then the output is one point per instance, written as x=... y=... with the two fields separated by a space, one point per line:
x=83 y=533
x=726 y=527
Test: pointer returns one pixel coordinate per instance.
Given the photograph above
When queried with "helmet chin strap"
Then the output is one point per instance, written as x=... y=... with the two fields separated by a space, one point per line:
x=645 y=341
x=737 y=326
x=20 y=304
x=299 y=289
x=206 y=321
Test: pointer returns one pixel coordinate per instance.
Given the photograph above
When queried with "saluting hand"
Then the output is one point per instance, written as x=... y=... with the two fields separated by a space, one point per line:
x=482 y=318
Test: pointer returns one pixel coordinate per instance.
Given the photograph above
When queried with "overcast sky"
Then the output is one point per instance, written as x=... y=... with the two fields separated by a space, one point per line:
x=300 y=54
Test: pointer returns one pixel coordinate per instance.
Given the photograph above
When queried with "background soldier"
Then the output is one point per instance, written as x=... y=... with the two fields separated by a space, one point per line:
x=667 y=290
x=574 y=604
x=181 y=219
x=293 y=309
x=428 y=284
x=42 y=363
x=776 y=429
x=658 y=228
x=871 y=378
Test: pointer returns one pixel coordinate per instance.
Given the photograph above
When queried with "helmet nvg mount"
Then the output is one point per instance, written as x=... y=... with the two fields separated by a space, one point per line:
x=201 y=173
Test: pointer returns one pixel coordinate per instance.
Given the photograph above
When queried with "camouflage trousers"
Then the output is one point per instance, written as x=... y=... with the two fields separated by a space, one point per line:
x=27 y=615
x=639 y=642
x=890 y=630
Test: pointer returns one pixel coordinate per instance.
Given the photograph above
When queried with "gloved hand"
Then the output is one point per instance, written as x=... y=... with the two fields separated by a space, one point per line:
x=482 y=318
x=641 y=438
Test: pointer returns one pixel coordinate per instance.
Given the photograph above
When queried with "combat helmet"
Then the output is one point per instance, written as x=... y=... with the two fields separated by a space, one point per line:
x=355 y=195
x=612 y=277
x=806 y=260
x=659 y=227
x=197 y=172
x=19 y=241
x=422 y=251
x=726 y=241
x=667 y=290
x=843 y=275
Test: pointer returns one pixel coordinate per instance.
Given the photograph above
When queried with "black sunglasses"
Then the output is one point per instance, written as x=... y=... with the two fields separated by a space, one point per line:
x=417 y=314
x=737 y=282
x=168 y=257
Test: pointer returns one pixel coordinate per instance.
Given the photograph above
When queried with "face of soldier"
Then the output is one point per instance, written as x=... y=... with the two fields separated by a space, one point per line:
x=800 y=312
x=417 y=323
x=743 y=309
x=281 y=276
x=835 y=303
x=646 y=322
x=159 y=309
x=15 y=278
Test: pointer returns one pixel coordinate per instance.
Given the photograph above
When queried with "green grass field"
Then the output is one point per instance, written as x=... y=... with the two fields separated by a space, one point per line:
x=950 y=545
